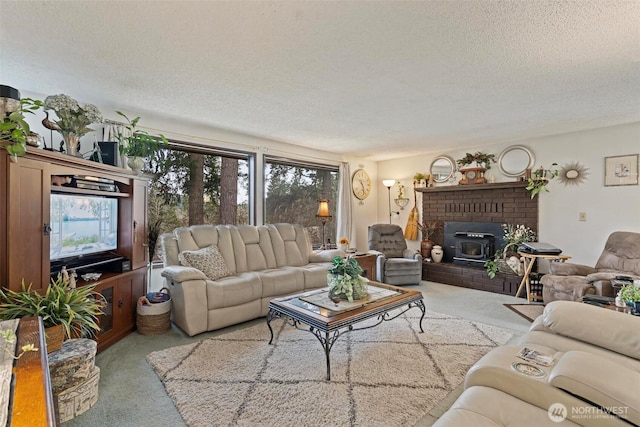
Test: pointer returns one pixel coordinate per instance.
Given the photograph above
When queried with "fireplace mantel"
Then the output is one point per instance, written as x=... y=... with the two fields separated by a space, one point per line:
x=473 y=187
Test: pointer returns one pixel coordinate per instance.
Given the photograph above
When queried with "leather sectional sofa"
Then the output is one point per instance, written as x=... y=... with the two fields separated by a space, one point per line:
x=594 y=379
x=220 y=275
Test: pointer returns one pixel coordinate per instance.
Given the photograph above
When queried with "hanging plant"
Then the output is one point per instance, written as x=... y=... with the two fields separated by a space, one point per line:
x=540 y=178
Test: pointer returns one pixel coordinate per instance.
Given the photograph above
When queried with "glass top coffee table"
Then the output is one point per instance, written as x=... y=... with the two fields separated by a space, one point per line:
x=328 y=321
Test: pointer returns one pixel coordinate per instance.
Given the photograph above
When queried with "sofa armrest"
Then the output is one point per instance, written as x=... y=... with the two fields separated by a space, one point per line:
x=411 y=254
x=601 y=381
x=594 y=325
x=326 y=255
x=570 y=269
x=178 y=273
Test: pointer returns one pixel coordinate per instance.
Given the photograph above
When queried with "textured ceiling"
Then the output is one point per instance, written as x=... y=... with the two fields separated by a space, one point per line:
x=378 y=79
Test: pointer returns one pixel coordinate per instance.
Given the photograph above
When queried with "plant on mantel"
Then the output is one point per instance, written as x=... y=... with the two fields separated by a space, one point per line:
x=540 y=178
x=481 y=159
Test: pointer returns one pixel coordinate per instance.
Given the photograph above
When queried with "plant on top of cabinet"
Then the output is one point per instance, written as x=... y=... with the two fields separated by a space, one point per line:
x=14 y=128
x=138 y=144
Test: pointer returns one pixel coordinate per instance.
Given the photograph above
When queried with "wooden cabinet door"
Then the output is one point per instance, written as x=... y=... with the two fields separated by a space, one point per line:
x=139 y=249
x=28 y=190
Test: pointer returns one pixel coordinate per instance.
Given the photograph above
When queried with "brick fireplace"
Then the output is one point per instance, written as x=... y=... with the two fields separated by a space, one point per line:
x=498 y=203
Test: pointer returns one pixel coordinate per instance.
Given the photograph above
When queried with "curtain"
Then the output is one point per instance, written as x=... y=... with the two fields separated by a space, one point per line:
x=343 y=212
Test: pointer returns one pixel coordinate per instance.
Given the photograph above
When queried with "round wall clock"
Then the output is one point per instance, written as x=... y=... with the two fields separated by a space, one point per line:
x=361 y=184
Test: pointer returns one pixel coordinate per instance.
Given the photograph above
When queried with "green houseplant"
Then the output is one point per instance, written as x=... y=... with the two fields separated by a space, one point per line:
x=15 y=129
x=540 y=178
x=630 y=294
x=481 y=159
x=345 y=280
x=514 y=236
x=76 y=309
x=138 y=144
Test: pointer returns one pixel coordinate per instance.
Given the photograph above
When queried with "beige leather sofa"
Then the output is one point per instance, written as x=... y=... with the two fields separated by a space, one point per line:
x=594 y=379
x=222 y=275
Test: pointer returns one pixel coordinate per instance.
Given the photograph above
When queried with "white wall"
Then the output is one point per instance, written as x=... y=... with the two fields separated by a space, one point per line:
x=608 y=208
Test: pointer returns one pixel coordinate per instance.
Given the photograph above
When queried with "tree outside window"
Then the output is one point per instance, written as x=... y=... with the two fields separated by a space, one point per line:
x=292 y=191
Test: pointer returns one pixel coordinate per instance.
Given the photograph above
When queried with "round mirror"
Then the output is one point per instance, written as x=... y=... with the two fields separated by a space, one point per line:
x=515 y=160
x=442 y=168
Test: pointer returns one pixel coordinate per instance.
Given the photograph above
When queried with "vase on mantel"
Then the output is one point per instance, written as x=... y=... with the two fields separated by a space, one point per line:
x=425 y=248
x=71 y=142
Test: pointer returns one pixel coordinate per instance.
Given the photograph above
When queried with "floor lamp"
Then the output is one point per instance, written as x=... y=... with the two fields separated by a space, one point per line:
x=389 y=183
x=323 y=215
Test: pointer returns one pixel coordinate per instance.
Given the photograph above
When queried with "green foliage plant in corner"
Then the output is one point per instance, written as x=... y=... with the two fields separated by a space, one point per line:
x=76 y=309
x=15 y=129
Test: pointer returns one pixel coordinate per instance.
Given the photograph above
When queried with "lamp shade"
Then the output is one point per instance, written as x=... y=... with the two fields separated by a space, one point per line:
x=388 y=182
x=323 y=209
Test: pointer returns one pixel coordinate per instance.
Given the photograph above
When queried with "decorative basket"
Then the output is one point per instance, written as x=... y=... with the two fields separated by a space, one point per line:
x=503 y=267
x=153 y=318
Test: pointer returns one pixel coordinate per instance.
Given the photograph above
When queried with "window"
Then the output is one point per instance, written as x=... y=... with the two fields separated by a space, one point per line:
x=292 y=190
x=192 y=184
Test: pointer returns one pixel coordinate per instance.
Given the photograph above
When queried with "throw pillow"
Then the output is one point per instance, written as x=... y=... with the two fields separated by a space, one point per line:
x=209 y=260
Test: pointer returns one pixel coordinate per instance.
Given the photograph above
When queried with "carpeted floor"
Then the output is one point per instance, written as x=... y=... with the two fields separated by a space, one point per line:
x=390 y=375
x=528 y=311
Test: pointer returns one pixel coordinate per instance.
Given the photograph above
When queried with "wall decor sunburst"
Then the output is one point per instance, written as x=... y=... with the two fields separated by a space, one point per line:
x=573 y=173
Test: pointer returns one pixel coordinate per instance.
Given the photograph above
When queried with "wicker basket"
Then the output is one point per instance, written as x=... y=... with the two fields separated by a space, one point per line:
x=503 y=267
x=153 y=319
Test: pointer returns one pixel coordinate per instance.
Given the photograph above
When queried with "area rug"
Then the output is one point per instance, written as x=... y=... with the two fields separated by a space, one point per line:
x=528 y=311
x=389 y=375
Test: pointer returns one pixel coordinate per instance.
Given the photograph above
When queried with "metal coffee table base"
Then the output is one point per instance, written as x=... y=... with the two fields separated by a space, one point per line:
x=328 y=337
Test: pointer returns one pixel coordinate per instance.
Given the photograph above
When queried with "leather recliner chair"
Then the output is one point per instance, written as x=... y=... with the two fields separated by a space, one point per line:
x=568 y=281
x=395 y=264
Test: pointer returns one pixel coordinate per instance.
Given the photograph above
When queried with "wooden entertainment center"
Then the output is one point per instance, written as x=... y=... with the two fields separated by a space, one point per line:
x=25 y=225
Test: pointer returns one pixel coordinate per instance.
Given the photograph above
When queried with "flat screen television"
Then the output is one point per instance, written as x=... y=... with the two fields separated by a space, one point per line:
x=82 y=225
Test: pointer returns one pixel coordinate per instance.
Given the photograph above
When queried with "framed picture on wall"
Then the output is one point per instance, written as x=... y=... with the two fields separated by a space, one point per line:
x=621 y=170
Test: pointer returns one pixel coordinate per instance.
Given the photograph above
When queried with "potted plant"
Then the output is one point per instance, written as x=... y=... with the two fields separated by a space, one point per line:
x=138 y=145
x=483 y=160
x=345 y=280
x=540 y=178
x=15 y=129
x=428 y=228
x=506 y=260
x=630 y=294
x=73 y=310
x=73 y=119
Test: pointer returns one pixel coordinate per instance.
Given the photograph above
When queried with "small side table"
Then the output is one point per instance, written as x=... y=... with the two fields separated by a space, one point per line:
x=528 y=260
x=368 y=264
